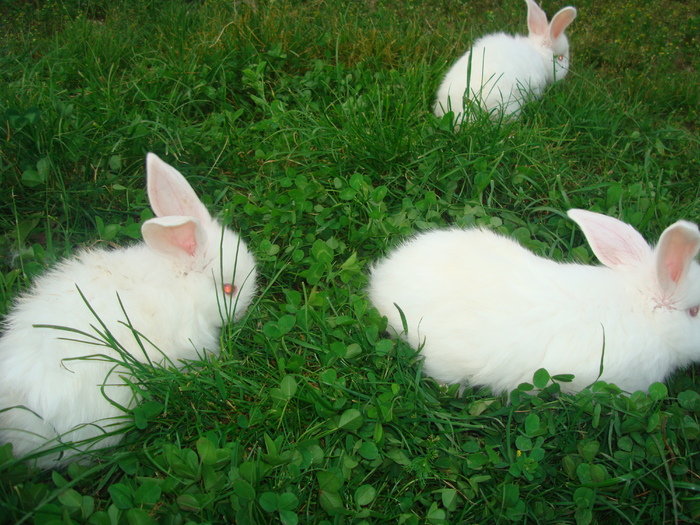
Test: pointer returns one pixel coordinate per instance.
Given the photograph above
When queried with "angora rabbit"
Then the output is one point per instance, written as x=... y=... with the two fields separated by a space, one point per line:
x=485 y=311
x=176 y=290
x=503 y=71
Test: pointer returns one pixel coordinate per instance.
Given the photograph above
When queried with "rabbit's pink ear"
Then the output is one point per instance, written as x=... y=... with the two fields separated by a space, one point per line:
x=678 y=246
x=614 y=242
x=179 y=237
x=561 y=21
x=169 y=192
x=536 y=19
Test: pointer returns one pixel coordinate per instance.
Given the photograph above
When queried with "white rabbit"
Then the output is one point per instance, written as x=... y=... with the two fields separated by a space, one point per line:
x=177 y=289
x=484 y=311
x=503 y=71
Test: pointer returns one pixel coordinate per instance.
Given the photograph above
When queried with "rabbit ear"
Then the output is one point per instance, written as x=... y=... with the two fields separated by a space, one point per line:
x=561 y=21
x=677 y=248
x=536 y=19
x=169 y=192
x=613 y=242
x=174 y=236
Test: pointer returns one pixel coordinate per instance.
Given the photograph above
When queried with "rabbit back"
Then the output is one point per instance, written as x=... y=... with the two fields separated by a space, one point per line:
x=505 y=71
x=58 y=375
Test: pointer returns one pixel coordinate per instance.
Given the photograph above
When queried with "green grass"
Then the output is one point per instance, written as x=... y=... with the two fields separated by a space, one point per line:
x=307 y=125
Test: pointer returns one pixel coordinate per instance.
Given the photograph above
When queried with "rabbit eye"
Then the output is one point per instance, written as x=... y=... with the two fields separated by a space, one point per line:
x=694 y=311
x=560 y=58
x=229 y=289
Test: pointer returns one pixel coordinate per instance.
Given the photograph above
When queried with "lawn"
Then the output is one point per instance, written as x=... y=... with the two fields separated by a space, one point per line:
x=307 y=126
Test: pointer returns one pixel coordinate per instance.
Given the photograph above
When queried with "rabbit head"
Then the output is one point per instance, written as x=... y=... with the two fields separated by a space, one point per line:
x=666 y=277
x=549 y=39
x=184 y=231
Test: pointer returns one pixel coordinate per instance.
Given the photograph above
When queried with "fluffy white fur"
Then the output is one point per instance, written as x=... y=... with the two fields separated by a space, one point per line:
x=485 y=311
x=507 y=70
x=171 y=288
